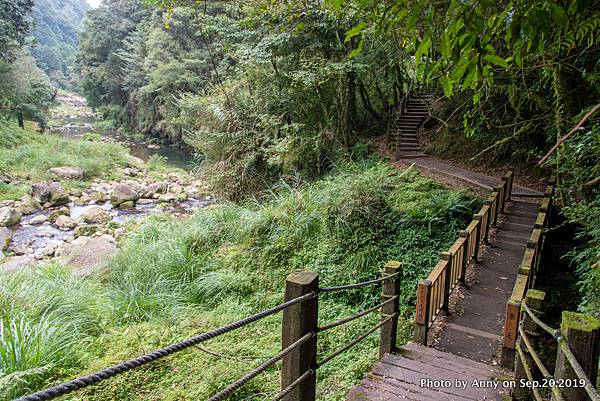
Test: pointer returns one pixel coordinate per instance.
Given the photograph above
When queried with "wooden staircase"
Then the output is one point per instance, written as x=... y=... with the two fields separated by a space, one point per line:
x=422 y=373
x=405 y=122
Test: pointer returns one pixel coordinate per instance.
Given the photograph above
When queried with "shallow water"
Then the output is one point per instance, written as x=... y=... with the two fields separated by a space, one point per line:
x=77 y=126
x=47 y=234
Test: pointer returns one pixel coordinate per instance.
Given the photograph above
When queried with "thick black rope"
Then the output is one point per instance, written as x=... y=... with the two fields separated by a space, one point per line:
x=94 y=378
x=356 y=316
x=293 y=385
x=353 y=342
x=359 y=285
x=227 y=391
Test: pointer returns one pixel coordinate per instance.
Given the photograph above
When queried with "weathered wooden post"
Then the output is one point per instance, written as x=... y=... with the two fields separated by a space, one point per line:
x=299 y=320
x=477 y=236
x=582 y=335
x=504 y=187
x=466 y=256
x=423 y=311
x=447 y=256
x=535 y=301
x=511 y=328
x=391 y=288
x=495 y=204
x=501 y=194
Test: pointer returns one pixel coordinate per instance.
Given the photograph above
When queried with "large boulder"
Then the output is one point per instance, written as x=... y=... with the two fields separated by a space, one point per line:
x=98 y=197
x=55 y=214
x=39 y=219
x=17 y=263
x=123 y=193
x=40 y=191
x=135 y=162
x=87 y=256
x=9 y=216
x=5 y=237
x=96 y=215
x=86 y=231
x=155 y=188
x=58 y=195
x=66 y=173
x=29 y=205
x=65 y=222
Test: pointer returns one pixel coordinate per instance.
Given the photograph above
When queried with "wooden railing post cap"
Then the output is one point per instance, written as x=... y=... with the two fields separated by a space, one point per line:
x=477 y=216
x=393 y=264
x=463 y=233
x=578 y=321
x=425 y=282
x=445 y=255
x=497 y=188
x=302 y=277
x=488 y=201
x=535 y=299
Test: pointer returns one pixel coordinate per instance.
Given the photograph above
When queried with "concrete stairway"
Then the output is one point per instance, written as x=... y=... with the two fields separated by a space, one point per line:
x=405 y=124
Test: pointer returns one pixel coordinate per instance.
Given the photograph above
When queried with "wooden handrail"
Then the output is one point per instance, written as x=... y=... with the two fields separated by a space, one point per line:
x=528 y=271
x=433 y=293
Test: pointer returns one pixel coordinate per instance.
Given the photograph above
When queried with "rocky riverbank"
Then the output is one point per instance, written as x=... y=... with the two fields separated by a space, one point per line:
x=82 y=228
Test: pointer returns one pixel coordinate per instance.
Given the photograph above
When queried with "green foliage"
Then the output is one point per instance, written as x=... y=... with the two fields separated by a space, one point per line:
x=577 y=166
x=57 y=24
x=174 y=279
x=28 y=156
x=24 y=89
x=14 y=26
x=47 y=315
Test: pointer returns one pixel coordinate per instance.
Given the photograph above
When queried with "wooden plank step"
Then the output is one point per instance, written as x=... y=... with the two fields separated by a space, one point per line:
x=432 y=371
x=425 y=373
x=439 y=358
x=409 y=391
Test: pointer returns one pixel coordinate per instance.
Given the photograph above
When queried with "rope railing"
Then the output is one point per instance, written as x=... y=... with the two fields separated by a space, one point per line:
x=356 y=316
x=227 y=391
x=359 y=285
x=94 y=378
x=298 y=310
x=563 y=345
x=293 y=385
x=352 y=343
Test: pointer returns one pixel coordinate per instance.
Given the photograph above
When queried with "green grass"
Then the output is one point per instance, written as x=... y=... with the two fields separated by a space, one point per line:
x=28 y=155
x=174 y=279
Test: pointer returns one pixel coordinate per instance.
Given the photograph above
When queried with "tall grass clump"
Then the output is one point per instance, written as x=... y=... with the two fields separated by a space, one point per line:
x=47 y=318
x=176 y=278
x=27 y=156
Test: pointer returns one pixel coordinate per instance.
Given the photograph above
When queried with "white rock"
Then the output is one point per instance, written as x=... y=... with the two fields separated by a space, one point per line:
x=40 y=219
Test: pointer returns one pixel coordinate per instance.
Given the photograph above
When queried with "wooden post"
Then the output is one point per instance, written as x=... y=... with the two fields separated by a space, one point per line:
x=299 y=320
x=511 y=328
x=488 y=224
x=582 y=334
x=466 y=257
x=505 y=185
x=447 y=278
x=477 y=237
x=391 y=288
x=423 y=311
x=535 y=300
x=496 y=194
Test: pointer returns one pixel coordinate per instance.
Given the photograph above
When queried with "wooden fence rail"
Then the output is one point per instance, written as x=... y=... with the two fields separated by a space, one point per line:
x=577 y=354
x=527 y=275
x=433 y=293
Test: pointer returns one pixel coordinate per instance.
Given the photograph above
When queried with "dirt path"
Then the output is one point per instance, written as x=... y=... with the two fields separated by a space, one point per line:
x=448 y=172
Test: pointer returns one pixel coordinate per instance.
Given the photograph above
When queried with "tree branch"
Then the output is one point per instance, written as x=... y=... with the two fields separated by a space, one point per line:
x=577 y=128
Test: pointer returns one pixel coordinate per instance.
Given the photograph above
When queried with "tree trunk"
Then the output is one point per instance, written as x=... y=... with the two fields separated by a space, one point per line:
x=20 y=120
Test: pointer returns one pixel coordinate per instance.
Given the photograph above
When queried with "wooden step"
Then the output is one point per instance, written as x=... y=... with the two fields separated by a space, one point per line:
x=409 y=376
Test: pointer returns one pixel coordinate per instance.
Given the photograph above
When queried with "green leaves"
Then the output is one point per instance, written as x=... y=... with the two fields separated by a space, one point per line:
x=447 y=85
x=497 y=60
